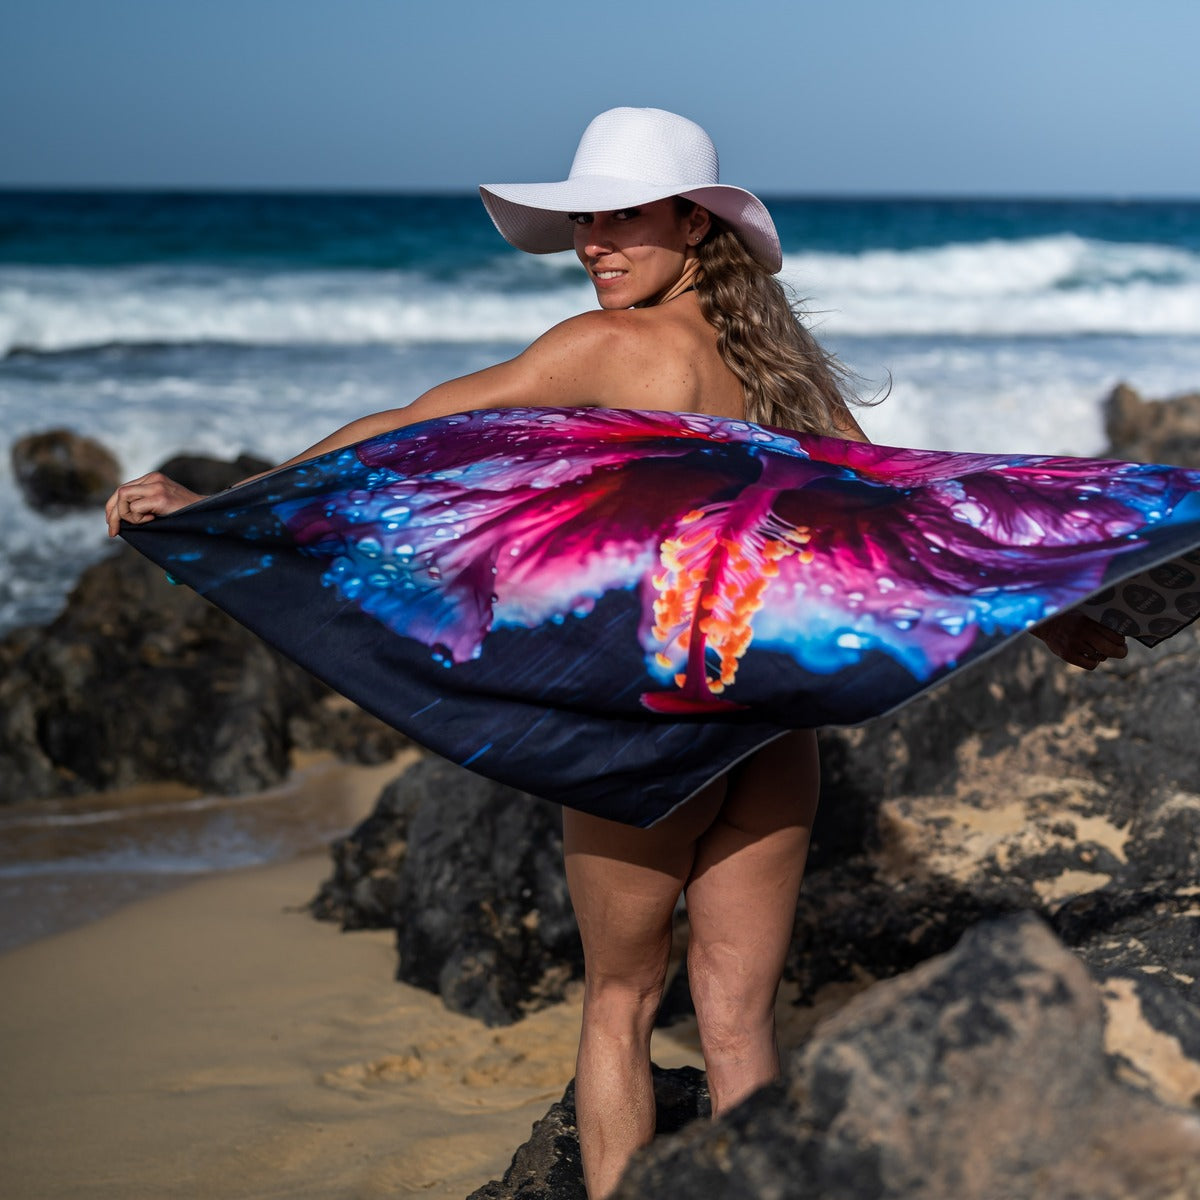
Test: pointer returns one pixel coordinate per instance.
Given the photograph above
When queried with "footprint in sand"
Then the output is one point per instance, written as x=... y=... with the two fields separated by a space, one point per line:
x=390 y=1069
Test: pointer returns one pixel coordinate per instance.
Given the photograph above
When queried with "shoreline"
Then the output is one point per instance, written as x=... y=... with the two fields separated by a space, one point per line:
x=217 y=1040
x=70 y=861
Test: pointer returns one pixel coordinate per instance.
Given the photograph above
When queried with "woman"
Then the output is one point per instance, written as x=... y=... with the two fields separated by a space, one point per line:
x=690 y=320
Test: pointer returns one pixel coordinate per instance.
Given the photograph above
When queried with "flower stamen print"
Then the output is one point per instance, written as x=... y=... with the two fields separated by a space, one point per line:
x=711 y=585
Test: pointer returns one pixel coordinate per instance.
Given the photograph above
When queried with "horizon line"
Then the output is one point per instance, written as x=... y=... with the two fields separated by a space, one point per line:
x=313 y=190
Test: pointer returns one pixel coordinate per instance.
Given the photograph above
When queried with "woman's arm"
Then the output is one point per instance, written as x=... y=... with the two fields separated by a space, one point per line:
x=553 y=371
x=572 y=364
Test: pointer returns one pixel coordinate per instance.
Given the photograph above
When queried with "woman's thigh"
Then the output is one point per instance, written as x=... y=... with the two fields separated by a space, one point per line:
x=745 y=879
x=625 y=883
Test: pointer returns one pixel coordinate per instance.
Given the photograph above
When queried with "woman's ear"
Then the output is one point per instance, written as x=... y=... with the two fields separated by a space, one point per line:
x=699 y=223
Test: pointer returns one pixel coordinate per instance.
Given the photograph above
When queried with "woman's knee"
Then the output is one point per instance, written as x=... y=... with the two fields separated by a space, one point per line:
x=622 y=1005
x=728 y=993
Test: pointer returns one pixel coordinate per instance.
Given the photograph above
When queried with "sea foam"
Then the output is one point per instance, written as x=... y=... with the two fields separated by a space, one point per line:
x=1057 y=285
x=52 y=310
x=1038 y=286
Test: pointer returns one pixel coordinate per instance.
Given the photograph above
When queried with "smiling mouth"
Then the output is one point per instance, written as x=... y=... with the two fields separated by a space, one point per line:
x=608 y=274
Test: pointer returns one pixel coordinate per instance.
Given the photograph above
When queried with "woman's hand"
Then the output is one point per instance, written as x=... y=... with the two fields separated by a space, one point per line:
x=1080 y=640
x=141 y=500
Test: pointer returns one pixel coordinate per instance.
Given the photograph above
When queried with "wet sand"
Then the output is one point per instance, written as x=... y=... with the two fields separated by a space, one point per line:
x=66 y=862
x=216 y=1041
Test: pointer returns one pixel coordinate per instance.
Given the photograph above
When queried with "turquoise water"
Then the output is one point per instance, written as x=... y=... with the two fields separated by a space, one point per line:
x=221 y=323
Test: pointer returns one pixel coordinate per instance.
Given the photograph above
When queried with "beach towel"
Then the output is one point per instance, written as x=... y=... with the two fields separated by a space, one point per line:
x=610 y=607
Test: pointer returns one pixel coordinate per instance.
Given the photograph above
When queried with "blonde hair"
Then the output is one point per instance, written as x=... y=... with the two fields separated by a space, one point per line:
x=790 y=380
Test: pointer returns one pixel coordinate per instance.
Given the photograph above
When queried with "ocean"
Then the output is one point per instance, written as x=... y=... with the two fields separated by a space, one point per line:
x=216 y=323
x=223 y=323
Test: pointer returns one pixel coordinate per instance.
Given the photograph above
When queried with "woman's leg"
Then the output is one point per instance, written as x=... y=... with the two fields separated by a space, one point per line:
x=624 y=885
x=741 y=900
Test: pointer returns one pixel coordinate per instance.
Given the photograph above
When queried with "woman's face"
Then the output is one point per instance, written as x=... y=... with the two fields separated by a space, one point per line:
x=635 y=256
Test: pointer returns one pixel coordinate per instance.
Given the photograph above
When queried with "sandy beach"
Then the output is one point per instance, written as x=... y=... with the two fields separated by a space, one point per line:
x=217 y=1041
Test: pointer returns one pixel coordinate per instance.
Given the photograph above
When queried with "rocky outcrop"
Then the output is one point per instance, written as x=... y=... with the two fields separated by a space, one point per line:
x=203 y=475
x=548 y=1164
x=138 y=681
x=983 y=1073
x=1023 y=785
x=59 y=470
x=1163 y=431
x=470 y=874
x=979 y=1074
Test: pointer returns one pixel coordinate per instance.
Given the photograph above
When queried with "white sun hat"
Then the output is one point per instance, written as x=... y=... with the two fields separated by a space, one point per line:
x=627 y=157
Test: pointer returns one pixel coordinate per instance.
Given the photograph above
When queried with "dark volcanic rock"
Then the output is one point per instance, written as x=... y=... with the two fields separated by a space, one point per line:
x=363 y=890
x=547 y=1167
x=350 y=733
x=204 y=475
x=470 y=873
x=1152 y=1034
x=1077 y=798
x=139 y=681
x=1025 y=784
x=1143 y=944
x=991 y=707
x=979 y=1074
x=59 y=470
x=1162 y=431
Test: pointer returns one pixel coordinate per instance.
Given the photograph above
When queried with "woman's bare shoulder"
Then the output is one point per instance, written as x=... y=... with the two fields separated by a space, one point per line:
x=628 y=358
x=592 y=331
x=606 y=346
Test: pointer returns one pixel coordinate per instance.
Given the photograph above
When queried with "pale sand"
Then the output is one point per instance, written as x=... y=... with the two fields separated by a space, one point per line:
x=219 y=1042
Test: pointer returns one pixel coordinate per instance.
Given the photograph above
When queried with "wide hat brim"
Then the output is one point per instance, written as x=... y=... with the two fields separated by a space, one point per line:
x=534 y=216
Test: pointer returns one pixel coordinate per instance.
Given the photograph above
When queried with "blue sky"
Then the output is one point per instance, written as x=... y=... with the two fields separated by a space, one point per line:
x=1029 y=97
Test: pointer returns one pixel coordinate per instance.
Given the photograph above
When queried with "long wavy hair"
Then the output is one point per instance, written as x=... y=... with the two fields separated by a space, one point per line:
x=790 y=380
